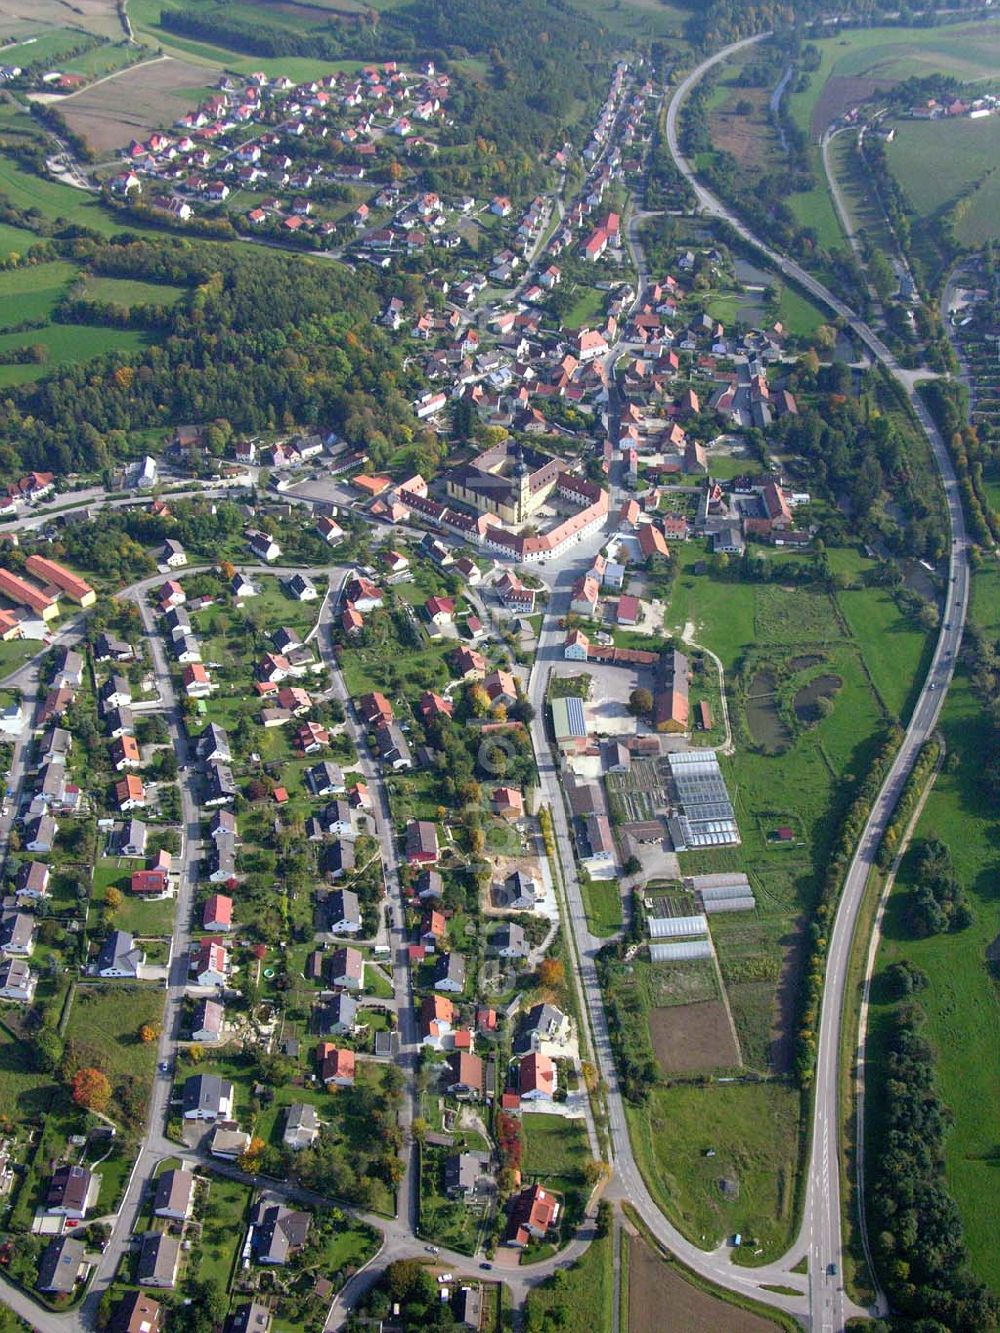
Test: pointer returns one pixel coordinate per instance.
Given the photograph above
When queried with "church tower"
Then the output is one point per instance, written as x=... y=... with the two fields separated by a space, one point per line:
x=522 y=479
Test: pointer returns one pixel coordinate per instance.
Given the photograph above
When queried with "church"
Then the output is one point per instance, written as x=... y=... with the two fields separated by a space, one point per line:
x=511 y=481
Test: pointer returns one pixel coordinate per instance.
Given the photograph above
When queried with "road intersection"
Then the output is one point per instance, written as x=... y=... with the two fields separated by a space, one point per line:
x=817 y=1297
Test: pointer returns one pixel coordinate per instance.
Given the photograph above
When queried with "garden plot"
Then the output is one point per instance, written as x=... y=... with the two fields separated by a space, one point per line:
x=693 y=1038
x=638 y=795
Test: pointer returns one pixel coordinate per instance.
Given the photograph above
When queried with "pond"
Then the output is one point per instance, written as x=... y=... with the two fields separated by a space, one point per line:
x=805 y=662
x=764 y=722
x=749 y=275
x=807 y=700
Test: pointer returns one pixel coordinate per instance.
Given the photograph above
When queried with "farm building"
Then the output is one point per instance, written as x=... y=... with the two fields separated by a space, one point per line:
x=679 y=951
x=705 y=815
x=723 y=893
x=569 y=725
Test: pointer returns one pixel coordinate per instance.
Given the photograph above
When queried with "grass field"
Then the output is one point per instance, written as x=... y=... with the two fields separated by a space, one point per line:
x=26 y=190
x=814 y=208
x=554 y=1147
x=102 y=60
x=24 y=1091
x=226 y=1210
x=15 y=240
x=129 y=292
x=145 y=16
x=635 y=18
x=106 y=1018
x=579 y=1297
x=940 y=162
x=42 y=47
x=33 y=292
x=65 y=343
x=860 y=60
x=602 y=900
x=587 y=308
x=753 y=1130
x=961 y=1000
x=900 y=650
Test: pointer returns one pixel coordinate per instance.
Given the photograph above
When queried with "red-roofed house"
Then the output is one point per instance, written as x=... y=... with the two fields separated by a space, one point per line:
x=336 y=1065
x=534 y=1212
x=536 y=1078
x=508 y=803
x=218 y=913
x=652 y=541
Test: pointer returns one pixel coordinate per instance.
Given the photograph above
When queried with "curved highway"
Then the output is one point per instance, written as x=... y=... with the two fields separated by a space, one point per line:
x=820 y=1234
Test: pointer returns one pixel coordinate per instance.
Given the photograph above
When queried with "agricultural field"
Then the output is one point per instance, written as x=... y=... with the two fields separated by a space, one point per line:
x=854 y=65
x=99 y=17
x=749 y=1183
x=654 y=1285
x=693 y=1038
x=138 y=100
x=950 y=164
x=963 y=1017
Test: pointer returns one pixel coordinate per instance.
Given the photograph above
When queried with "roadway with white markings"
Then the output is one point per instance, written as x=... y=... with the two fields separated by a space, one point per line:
x=820 y=1235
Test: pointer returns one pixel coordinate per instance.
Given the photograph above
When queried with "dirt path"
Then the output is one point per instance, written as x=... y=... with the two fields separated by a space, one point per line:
x=687 y=636
x=45 y=98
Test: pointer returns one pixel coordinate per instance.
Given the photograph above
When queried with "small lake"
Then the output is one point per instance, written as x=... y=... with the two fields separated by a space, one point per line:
x=806 y=701
x=764 y=722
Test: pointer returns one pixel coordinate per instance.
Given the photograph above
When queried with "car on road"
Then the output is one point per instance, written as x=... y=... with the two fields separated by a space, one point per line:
x=164 y=1066
x=832 y=1269
x=446 y=1277
x=432 y=1249
x=487 y=1266
x=933 y=685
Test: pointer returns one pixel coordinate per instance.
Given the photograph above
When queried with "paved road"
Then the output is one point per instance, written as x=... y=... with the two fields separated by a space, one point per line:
x=627 y=1182
x=820 y=1234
